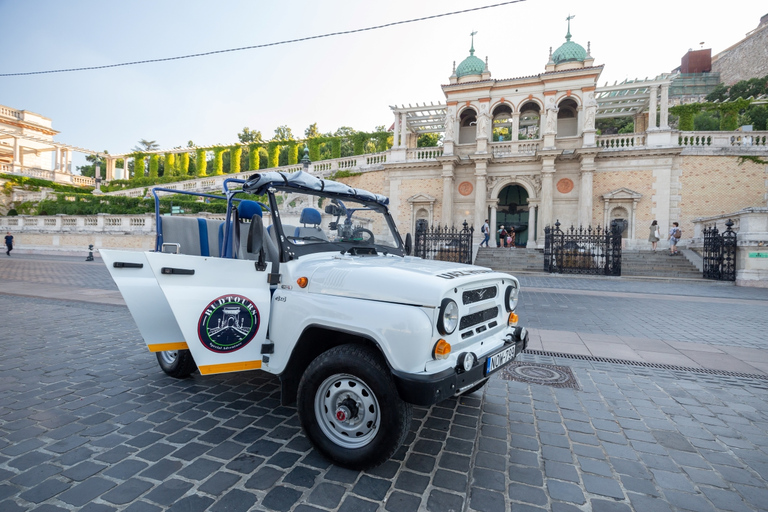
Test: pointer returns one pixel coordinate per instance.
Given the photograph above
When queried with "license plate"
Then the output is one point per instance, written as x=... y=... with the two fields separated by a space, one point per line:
x=498 y=360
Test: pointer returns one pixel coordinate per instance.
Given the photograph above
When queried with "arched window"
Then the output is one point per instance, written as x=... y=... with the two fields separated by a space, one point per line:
x=468 y=127
x=502 y=123
x=567 y=118
x=530 y=120
x=620 y=216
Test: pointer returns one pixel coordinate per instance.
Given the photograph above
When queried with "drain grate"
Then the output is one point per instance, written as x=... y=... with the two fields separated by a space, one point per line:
x=647 y=365
x=537 y=373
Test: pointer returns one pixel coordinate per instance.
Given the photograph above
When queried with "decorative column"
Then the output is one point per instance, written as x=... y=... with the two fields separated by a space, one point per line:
x=481 y=194
x=450 y=129
x=448 y=181
x=515 y=130
x=110 y=169
x=532 y=228
x=547 y=194
x=403 y=130
x=492 y=220
x=585 y=189
x=652 y=108
x=16 y=161
x=664 y=114
x=550 y=122
x=65 y=160
x=396 y=137
x=57 y=163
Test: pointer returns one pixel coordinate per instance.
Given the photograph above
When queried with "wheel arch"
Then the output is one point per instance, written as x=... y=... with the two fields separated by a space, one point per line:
x=314 y=340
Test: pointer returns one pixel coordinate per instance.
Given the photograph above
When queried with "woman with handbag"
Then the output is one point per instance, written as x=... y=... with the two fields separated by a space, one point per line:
x=655 y=236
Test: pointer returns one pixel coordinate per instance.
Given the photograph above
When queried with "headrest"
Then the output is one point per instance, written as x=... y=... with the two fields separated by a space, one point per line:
x=247 y=209
x=310 y=216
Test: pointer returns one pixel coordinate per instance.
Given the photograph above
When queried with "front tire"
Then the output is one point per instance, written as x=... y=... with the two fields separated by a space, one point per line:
x=350 y=409
x=179 y=364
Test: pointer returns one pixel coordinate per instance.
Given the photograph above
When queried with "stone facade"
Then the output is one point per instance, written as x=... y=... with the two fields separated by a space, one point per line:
x=746 y=59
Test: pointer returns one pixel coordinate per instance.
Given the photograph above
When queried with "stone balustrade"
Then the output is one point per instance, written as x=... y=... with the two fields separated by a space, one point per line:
x=723 y=139
x=623 y=141
x=511 y=148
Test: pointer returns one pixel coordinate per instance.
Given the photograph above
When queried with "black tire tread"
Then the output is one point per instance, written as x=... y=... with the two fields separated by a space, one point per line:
x=183 y=368
x=363 y=356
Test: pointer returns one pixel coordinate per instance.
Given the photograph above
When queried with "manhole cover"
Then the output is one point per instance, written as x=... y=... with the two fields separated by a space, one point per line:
x=537 y=373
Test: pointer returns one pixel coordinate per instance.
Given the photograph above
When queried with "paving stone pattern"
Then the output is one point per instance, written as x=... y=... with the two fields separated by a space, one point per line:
x=89 y=422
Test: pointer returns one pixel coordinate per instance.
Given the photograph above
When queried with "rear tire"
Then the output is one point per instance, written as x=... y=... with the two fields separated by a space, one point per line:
x=350 y=409
x=179 y=364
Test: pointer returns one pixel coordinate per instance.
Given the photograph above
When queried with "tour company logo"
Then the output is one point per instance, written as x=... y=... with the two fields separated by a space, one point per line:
x=228 y=323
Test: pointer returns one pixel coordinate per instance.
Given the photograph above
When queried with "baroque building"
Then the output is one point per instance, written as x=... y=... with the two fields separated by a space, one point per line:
x=525 y=152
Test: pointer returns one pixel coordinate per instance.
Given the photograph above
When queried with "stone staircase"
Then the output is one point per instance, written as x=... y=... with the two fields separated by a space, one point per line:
x=633 y=263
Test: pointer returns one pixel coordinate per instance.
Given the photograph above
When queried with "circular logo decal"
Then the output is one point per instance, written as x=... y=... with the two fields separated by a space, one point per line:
x=564 y=186
x=465 y=188
x=228 y=323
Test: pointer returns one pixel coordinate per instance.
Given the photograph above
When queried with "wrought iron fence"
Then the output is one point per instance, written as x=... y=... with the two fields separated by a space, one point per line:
x=445 y=244
x=583 y=250
x=720 y=253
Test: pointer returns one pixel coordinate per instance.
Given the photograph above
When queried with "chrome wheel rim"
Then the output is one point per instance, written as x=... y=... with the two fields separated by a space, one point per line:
x=347 y=411
x=169 y=357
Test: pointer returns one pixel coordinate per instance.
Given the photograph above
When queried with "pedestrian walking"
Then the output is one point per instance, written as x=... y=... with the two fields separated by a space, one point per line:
x=674 y=236
x=502 y=237
x=511 y=237
x=654 y=236
x=8 y=244
x=486 y=231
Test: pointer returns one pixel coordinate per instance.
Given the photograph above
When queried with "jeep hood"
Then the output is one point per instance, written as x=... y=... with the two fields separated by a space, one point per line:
x=406 y=280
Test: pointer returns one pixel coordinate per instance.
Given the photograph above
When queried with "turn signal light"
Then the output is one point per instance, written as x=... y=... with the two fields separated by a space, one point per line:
x=512 y=320
x=302 y=282
x=442 y=349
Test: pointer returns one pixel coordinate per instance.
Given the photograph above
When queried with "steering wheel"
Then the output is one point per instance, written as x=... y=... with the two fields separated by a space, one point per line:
x=363 y=235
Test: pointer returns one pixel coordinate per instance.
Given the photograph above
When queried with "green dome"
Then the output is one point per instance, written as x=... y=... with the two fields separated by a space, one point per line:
x=470 y=66
x=569 y=52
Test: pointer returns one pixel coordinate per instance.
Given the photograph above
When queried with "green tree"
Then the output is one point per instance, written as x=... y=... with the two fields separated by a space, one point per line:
x=145 y=146
x=283 y=133
x=154 y=165
x=89 y=170
x=235 y=154
x=169 y=166
x=428 y=140
x=218 y=161
x=347 y=148
x=201 y=162
x=183 y=164
x=706 y=121
x=139 y=165
x=312 y=131
x=720 y=93
x=248 y=136
x=757 y=116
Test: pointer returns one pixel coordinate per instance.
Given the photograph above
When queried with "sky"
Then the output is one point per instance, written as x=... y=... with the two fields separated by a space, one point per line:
x=347 y=80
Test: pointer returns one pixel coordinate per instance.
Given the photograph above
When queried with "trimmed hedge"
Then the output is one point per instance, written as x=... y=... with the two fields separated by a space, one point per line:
x=37 y=182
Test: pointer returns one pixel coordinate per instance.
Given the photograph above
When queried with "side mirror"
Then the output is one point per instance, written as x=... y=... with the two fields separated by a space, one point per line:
x=330 y=209
x=408 y=244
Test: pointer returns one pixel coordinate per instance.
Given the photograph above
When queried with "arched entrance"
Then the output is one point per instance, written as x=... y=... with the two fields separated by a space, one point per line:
x=512 y=210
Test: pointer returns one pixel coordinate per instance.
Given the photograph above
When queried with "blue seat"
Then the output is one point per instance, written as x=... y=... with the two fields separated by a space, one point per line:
x=310 y=216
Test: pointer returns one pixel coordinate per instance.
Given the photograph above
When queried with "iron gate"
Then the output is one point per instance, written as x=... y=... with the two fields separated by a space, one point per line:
x=720 y=253
x=445 y=244
x=583 y=250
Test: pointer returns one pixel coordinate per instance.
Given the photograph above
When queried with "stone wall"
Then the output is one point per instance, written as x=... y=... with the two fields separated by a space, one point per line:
x=712 y=185
x=744 y=60
x=641 y=181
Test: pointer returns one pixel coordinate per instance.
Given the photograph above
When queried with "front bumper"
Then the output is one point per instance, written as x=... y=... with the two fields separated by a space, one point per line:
x=430 y=389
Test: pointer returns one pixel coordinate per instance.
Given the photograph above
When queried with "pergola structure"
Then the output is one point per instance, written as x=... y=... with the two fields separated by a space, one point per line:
x=628 y=98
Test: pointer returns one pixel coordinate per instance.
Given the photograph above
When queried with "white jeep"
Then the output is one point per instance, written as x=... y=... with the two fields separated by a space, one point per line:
x=327 y=298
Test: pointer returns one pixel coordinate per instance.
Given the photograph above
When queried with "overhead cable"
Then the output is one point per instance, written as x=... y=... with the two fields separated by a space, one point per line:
x=265 y=45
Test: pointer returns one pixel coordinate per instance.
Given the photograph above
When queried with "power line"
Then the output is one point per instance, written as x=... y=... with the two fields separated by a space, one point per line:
x=277 y=43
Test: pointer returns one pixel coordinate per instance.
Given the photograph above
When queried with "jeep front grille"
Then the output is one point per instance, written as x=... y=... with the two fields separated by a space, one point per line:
x=479 y=317
x=472 y=296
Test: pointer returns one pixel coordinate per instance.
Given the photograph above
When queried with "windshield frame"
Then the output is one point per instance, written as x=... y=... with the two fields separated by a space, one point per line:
x=289 y=251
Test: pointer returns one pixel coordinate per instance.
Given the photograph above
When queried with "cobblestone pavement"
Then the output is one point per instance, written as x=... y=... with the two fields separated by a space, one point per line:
x=89 y=422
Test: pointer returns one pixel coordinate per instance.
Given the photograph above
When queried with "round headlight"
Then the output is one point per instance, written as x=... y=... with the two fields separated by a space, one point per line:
x=511 y=296
x=448 y=318
x=467 y=360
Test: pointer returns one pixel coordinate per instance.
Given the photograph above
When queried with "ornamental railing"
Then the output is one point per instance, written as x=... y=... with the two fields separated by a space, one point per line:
x=720 y=253
x=510 y=148
x=583 y=250
x=444 y=243
x=722 y=139
x=628 y=141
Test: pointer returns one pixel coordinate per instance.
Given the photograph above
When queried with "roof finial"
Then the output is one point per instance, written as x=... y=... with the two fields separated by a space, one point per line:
x=454 y=67
x=569 y=18
x=472 y=49
x=589 y=48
